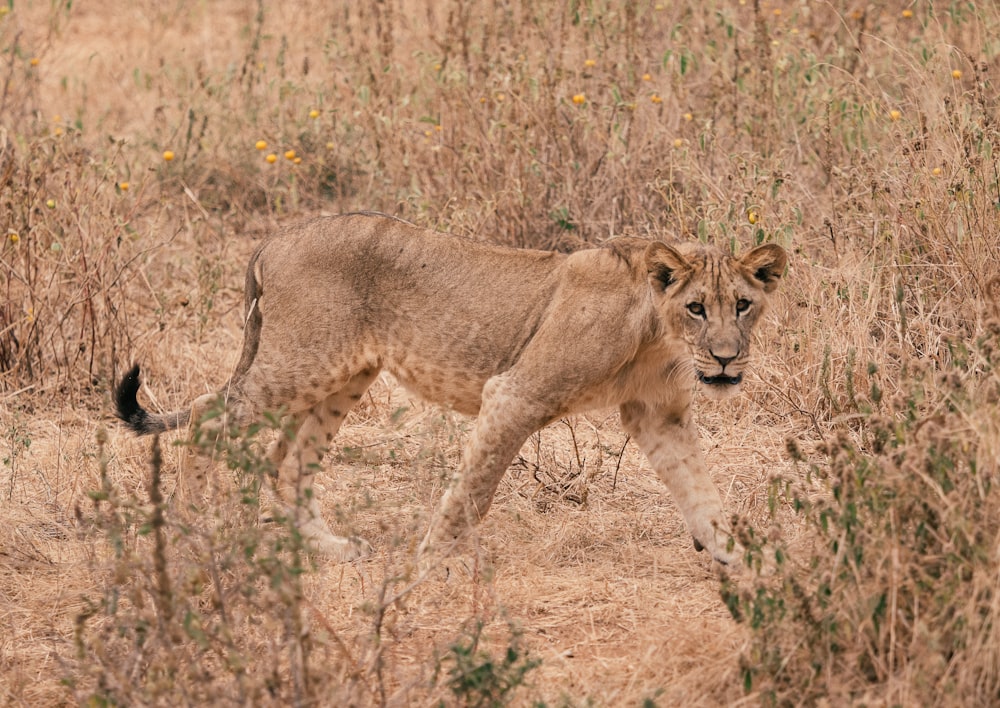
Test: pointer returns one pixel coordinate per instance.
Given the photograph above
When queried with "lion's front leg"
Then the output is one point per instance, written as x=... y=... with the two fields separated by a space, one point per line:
x=670 y=444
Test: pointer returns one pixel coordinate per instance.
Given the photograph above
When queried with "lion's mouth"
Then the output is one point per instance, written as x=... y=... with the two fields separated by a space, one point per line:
x=720 y=379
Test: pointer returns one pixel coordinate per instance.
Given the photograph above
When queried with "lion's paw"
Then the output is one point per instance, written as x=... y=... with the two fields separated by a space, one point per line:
x=338 y=548
x=730 y=560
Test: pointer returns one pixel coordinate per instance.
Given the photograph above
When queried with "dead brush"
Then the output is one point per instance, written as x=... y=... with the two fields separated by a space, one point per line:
x=192 y=612
x=65 y=257
x=216 y=608
x=895 y=596
x=891 y=595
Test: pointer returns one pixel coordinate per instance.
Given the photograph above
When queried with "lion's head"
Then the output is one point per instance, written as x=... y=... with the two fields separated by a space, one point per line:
x=712 y=301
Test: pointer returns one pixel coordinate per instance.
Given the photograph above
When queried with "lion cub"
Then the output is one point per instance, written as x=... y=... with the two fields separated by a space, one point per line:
x=518 y=338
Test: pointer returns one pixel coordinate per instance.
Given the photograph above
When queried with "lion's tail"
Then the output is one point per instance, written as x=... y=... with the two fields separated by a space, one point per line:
x=138 y=419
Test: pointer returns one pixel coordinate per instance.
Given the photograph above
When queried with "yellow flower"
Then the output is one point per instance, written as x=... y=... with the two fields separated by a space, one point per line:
x=168 y=155
x=678 y=142
x=271 y=158
x=437 y=67
x=261 y=145
x=589 y=63
x=752 y=216
x=894 y=115
x=289 y=154
x=297 y=161
x=956 y=73
x=501 y=97
x=579 y=99
x=123 y=186
x=688 y=117
x=655 y=98
x=330 y=145
x=35 y=61
x=314 y=114
x=936 y=171
x=14 y=238
x=907 y=14
x=50 y=203
x=647 y=77
x=438 y=128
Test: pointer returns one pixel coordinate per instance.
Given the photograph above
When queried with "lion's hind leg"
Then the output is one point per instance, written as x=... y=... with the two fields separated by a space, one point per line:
x=204 y=431
x=300 y=455
x=507 y=417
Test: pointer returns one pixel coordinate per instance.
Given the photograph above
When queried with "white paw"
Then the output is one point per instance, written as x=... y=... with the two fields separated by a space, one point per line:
x=440 y=559
x=730 y=562
x=339 y=548
x=731 y=559
x=349 y=549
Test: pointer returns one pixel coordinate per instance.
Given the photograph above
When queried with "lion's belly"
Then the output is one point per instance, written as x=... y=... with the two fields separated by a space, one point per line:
x=439 y=381
x=456 y=392
x=449 y=363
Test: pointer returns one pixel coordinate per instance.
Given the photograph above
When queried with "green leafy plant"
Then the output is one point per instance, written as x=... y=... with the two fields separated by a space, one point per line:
x=480 y=679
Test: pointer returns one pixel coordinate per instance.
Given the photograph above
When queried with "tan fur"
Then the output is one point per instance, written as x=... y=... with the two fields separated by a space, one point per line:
x=518 y=338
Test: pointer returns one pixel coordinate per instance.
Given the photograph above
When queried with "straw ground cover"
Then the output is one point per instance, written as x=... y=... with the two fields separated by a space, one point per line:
x=146 y=149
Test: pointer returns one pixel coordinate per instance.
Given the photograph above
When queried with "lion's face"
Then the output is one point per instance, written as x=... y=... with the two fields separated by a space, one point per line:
x=712 y=301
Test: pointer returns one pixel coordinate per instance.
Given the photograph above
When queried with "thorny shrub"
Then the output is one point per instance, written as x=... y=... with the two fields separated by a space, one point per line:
x=896 y=599
x=194 y=610
x=207 y=607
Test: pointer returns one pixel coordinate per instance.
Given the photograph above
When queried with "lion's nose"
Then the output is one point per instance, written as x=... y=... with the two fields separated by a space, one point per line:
x=724 y=361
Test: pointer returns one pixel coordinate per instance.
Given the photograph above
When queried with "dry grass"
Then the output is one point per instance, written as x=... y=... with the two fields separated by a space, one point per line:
x=862 y=137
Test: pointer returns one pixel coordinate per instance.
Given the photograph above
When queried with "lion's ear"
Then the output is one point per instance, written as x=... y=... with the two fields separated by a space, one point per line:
x=765 y=264
x=665 y=265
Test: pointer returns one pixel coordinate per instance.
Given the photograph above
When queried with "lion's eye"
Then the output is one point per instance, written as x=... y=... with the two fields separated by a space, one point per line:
x=696 y=309
x=742 y=305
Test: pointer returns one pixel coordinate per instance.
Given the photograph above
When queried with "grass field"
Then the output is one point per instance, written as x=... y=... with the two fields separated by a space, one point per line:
x=147 y=148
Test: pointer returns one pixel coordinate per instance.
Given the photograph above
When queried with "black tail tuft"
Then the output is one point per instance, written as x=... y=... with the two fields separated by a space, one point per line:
x=127 y=405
